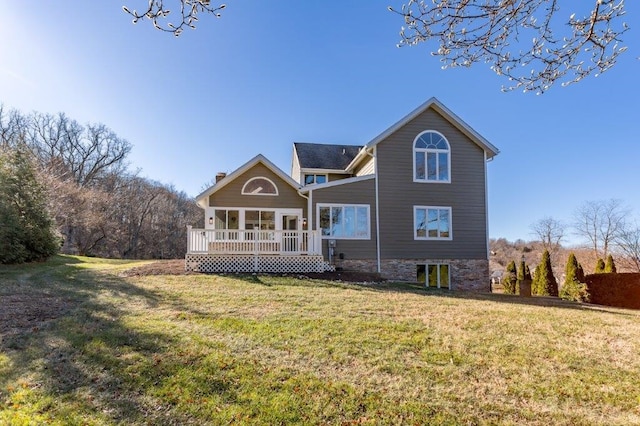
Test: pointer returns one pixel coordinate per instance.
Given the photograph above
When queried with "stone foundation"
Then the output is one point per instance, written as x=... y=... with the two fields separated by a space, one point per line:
x=466 y=274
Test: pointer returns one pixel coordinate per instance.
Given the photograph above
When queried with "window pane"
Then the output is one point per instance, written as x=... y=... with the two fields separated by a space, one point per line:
x=268 y=220
x=420 y=162
x=337 y=221
x=221 y=219
x=321 y=179
x=444 y=276
x=362 y=228
x=421 y=223
x=444 y=223
x=432 y=225
x=432 y=166
x=251 y=219
x=259 y=186
x=325 y=221
x=234 y=219
x=443 y=166
x=439 y=142
x=349 y=221
x=421 y=274
x=308 y=179
x=422 y=141
x=433 y=275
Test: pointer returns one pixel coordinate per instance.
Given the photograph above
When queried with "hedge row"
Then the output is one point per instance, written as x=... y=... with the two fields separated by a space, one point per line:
x=621 y=290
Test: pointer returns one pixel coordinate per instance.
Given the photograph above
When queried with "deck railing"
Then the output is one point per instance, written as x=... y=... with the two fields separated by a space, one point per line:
x=241 y=241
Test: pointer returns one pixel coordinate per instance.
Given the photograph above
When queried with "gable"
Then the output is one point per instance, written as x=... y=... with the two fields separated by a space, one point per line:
x=250 y=170
x=231 y=195
x=435 y=105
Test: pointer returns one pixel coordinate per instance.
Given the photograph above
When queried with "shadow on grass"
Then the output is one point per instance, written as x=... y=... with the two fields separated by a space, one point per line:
x=542 y=301
x=63 y=332
x=418 y=289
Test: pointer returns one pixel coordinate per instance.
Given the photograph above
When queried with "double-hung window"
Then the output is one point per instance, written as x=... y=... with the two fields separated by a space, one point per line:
x=431 y=158
x=431 y=223
x=344 y=221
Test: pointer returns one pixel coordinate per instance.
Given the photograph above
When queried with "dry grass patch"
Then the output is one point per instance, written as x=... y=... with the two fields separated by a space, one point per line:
x=207 y=349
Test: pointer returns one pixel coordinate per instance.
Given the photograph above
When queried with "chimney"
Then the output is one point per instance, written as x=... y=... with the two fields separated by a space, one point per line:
x=220 y=176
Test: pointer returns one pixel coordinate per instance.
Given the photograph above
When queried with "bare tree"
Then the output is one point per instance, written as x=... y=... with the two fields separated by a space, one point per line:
x=628 y=243
x=550 y=232
x=531 y=42
x=72 y=151
x=600 y=223
x=12 y=127
x=157 y=12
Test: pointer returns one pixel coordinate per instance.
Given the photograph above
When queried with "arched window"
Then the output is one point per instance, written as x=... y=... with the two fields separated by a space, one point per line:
x=259 y=186
x=431 y=158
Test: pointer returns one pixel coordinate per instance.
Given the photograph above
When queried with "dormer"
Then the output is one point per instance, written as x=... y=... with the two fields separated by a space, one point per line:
x=315 y=163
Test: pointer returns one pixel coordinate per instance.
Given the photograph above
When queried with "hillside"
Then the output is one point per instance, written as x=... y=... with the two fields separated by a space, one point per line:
x=84 y=341
x=504 y=251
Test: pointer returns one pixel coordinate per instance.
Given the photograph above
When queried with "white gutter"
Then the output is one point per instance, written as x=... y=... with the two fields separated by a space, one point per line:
x=309 y=204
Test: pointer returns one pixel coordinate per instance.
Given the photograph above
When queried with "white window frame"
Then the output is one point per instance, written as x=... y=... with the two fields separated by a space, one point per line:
x=331 y=206
x=243 y=192
x=438 y=265
x=241 y=216
x=315 y=176
x=431 y=150
x=427 y=237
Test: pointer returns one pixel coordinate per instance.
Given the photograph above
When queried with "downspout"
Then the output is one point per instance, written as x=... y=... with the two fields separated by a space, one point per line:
x=309 y=204
x=486 y=205
x=375 y=172
x=309 y=216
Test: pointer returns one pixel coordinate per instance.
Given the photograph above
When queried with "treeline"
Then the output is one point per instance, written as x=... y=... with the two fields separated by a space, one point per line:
x=99 y=206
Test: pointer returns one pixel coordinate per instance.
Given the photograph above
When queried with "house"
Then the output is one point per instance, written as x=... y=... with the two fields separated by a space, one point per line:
x=410 y=204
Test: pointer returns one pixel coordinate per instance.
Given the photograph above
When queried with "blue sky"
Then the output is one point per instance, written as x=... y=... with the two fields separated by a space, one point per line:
x=267 y=74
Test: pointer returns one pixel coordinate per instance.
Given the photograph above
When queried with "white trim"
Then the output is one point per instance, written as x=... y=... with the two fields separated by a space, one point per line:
x=210 y=212
x=304 y=175
x=242 y=192
x=439 y=107
x=426 y=151
x=427 y=238
x=310 y=211
x=338 y=182
x=332 y=205
x=438 y=264
x=323 y=171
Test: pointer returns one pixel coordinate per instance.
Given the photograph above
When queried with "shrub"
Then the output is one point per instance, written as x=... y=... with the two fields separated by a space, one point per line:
x=27 y=231
x=575 y=290
x=510 y=279
x=546 y=284
x=610 y=266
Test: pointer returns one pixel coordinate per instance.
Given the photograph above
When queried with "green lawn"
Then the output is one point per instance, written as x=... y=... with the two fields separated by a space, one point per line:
x=83 y=344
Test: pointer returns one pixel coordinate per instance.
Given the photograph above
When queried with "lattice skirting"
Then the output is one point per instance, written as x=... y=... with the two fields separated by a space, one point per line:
x=250 y=263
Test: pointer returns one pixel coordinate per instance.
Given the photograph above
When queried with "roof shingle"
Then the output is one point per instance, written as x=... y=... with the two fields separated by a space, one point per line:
x=325 y=156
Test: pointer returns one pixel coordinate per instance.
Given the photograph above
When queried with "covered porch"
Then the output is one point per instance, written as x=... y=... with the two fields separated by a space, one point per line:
x=250 y=250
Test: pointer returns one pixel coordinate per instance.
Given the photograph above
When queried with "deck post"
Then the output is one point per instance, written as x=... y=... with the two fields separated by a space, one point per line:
x=189 y=248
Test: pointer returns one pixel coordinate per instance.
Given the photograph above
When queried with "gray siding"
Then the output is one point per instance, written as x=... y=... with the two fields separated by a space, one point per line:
x=398 y=194
x=231 y=194
x=362 y=192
